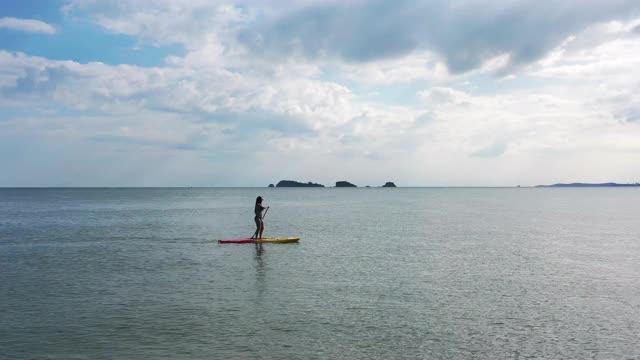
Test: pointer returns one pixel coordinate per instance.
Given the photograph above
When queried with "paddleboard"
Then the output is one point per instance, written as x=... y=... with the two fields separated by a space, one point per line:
x=278 y=240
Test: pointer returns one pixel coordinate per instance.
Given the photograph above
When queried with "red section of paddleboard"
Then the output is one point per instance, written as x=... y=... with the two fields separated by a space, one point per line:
x=237 y=241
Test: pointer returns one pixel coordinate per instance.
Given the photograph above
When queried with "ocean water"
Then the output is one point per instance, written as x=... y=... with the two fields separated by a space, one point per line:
x=405 y=273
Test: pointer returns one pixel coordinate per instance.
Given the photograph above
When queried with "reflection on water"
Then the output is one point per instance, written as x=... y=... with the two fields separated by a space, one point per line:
x=261 y=271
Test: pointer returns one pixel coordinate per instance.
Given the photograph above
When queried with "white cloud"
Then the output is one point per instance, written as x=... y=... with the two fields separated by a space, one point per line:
x=27 y=25
x=187 y=23
x=599 y=66
x=275 y=101
x=423 y=66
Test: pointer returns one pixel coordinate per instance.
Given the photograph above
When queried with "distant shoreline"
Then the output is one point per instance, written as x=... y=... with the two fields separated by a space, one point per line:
x=591 y=185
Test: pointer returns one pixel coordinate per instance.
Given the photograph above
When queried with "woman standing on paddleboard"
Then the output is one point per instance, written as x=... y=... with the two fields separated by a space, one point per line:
x=259 y=218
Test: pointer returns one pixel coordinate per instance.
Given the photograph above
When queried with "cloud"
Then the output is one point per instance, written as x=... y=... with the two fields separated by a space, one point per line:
x=599 y=67
x=274 y=104
x=493 y=150
x=442 y=95
x=161 y=22
x=379 y=40
x=27 y=25
x=418 y=66
x=520 y=125
x=464 y=33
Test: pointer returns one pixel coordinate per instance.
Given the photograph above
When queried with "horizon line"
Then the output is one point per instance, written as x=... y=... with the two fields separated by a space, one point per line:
x=252 y=187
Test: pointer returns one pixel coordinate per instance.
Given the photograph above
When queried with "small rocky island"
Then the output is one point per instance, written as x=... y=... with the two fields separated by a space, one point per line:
x=389 y=184
x=344 y=184
x=291 y=183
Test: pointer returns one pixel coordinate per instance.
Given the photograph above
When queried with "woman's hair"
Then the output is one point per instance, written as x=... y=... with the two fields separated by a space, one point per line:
x=259 y=200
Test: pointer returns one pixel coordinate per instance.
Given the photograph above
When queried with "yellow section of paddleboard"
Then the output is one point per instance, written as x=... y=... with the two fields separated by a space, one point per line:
x=281 y=240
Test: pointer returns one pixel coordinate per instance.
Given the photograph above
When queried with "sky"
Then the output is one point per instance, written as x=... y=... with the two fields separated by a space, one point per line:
x=247 y=93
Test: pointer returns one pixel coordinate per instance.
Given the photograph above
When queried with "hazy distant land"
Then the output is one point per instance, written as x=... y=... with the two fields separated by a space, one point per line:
x=609 y=184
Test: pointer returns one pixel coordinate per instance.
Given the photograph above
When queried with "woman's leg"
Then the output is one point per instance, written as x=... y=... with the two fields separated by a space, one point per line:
x=258 y=221
x=261 y=228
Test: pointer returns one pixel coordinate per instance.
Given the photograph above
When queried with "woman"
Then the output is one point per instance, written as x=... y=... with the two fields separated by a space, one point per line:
x=259 y=218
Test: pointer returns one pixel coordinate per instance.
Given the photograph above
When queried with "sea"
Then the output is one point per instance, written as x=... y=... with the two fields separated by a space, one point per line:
x=379 y=273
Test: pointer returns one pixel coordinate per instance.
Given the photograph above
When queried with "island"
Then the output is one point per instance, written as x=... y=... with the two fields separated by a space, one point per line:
x=344 y=184
x=609 y=184
x=270 y=185
x=291 y=183
x=389 y=184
